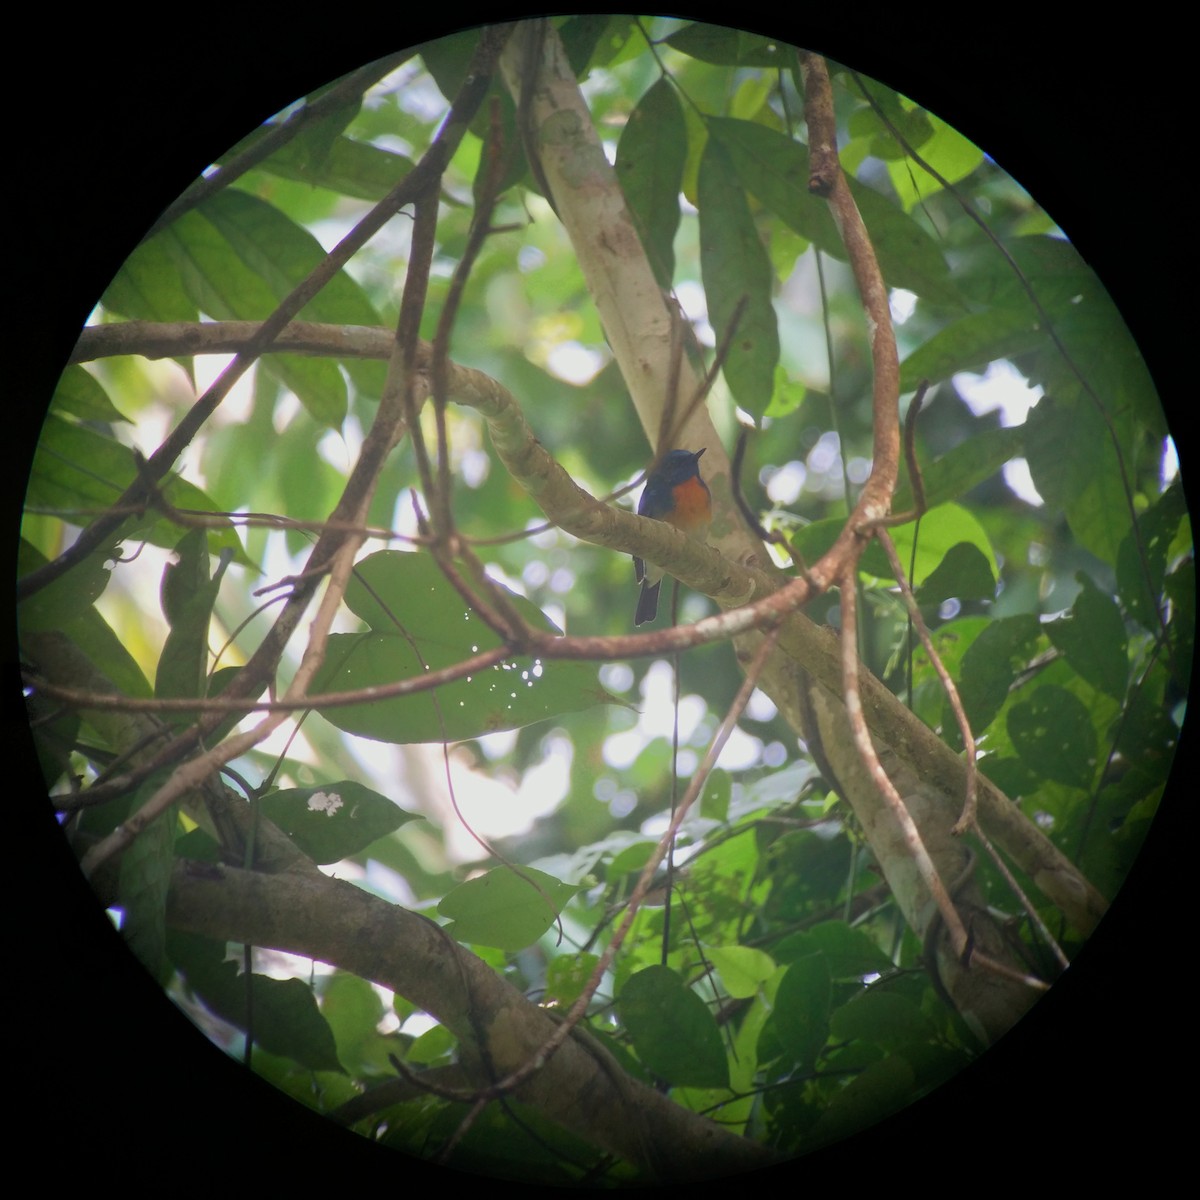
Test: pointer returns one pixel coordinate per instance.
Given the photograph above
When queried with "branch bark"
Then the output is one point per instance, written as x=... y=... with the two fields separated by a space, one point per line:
x=581 y=1087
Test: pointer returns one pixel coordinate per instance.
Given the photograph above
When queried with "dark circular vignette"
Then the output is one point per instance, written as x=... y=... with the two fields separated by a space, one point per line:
x=124 y=1079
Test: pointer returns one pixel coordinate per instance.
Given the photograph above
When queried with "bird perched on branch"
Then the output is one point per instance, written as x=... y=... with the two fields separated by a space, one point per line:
x=674 y=493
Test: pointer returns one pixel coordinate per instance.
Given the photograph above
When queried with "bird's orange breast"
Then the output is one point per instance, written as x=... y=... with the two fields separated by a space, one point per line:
x=693 y=506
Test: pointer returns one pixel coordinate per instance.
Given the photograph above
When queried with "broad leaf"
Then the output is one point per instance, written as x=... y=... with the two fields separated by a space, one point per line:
x=332 y=821
x=672 y=1030
x=419 y=623
x=506 y=908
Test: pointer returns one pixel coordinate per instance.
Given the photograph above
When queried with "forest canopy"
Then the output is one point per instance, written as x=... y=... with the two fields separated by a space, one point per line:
x=807 y=979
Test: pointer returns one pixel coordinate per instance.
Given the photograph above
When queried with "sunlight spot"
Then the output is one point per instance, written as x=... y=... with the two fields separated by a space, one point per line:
x=575 y=363
x=616 y=677
x=741 y=752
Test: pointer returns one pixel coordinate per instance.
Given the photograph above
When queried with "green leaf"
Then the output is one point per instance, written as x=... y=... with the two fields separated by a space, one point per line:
x=738 y=281
x=147 y=286
x=851 y=954
x=964 y=573
x=743 y=969
x=672 y=1030
x=880 y=1089
x=145 y=879
x=566 y=977
x=332 y=821
x=352 y=1008
x=1140 y=579
x=885 y=1018
x=939 y=531
x=434 y=1044
x=649 y=165
x=970 y=344
x=67 y=598
x=775 y=168
x=286 y=1019
x=725 y=46
x=955 y=473
x=1093 y=639
x=419 y=624
x=188 y=596
x=801 y=1018
x=236 y=257
x=714 y=799
x=81 y=395
x=1054 y=735
x=947 y=151
x=1074 y=466
x=505 y=908
x=343 y=165
x=989 y=668
x=75 y=467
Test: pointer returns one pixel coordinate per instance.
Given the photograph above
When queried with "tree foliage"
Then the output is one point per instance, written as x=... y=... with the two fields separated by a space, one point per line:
x=792 y=986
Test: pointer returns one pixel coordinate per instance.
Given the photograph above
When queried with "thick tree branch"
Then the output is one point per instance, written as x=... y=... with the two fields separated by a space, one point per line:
x=581 y=1087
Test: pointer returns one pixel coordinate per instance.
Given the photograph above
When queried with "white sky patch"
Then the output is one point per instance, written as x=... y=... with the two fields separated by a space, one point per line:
x=692 y=300
x=1170 y=462
x=902 y=303
x=657 y=716
x=760 y=706
x=545 y=786
x=1004 y=389
x=239 y=403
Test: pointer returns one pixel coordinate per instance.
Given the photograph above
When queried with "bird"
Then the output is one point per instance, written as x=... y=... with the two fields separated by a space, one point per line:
x=674 y=493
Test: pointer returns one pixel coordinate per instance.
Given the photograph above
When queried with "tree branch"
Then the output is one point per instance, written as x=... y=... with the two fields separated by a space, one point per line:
x=580 y=1087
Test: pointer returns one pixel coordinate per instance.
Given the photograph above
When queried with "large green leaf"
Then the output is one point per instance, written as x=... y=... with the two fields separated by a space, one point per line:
x=1093 y=638
x=672 y=1029
x=67 y=598
x=650 y=161
x=775 y=169
x=726 y=46
x=801 y=1019
x=285 y=1018
x=332 y=821
x=80 y=394
x=76 y=467
x=1142 y=556
x=345 y=166
x=235 y=257
x=1073 y=460
x=953 y=474
x=188 y=595
x=990 y=666
x=882 y=1017
x=1054 y=735
x=419 y=623
x=738 y=281
x=145 y=879
x=506 y=908
x=940 y=530
x=743 y=969
x=971 y=343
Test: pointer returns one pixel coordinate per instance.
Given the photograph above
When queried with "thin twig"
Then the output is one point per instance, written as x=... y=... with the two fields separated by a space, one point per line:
x=970 y=801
